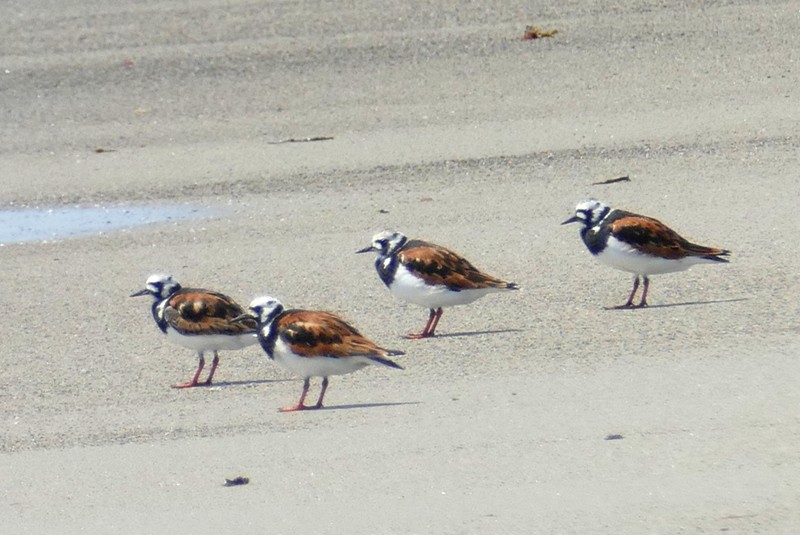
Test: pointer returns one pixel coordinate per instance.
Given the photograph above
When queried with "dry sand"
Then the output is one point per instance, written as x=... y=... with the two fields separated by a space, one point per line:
x=449 y=127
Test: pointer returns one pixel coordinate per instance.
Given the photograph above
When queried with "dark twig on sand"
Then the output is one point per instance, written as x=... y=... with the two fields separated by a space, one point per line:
x=301 y=140
x=612 y=181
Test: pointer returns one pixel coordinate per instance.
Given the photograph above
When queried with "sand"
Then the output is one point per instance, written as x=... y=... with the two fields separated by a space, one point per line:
x=446 y=126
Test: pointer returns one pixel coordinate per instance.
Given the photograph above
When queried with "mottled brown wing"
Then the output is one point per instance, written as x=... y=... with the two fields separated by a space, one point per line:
x=653 y=237
x=196 y=311
x=322 y=334
x=439 y=266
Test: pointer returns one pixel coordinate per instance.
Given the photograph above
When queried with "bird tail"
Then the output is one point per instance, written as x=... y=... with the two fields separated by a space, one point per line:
x=387 y=362
x=718 y=257
x=715 y=255
x=512 y=286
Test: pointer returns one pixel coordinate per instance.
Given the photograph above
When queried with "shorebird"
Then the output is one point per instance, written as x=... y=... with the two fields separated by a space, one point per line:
x=638 y=244
x=312 y=343
x=429 y=275
x=197 y=319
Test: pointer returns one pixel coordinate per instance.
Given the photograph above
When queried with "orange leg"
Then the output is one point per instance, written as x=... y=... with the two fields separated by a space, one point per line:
x=430 y=327
x=193 y=382
x=439 y=313
x=643 y=302
x=214 y=364
x=322 y=393
x=300 y=404
x=629 y=302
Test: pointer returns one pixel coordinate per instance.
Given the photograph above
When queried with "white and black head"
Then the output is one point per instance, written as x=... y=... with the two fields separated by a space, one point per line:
x=160 y=286
x=590 y=213
x=264 y=309
x=386 y=243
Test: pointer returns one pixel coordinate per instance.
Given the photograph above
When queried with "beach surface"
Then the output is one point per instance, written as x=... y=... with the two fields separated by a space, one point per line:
x=537 y=411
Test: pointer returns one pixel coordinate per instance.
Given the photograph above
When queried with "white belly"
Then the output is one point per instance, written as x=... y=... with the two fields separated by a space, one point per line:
x=414 y=290
x=211 y=342
x=316 y=366
x=620 y=255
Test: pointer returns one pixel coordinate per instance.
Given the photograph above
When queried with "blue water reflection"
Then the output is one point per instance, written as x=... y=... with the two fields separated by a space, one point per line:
x=38 y=224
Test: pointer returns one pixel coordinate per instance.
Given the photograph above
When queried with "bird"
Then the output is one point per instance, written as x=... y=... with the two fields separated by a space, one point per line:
x=638 y=244
x=197 y=319
x=429 y=275
x=312 y=343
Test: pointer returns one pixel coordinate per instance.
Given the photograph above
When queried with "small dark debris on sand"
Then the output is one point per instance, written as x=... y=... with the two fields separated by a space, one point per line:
x=614 y=437
x=236 y=481
x=534 y=32
x=301 y=140
x=612 y=181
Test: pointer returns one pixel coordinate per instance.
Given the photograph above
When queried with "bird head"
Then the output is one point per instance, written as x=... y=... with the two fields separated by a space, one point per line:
x=590 y=213
x=159 y=286
x=263 y=309
x=385 y=243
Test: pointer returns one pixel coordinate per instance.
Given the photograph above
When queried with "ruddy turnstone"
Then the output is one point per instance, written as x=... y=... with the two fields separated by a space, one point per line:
x=198 y=319
x=429 y=275
x=638 y=244
x=312 y=343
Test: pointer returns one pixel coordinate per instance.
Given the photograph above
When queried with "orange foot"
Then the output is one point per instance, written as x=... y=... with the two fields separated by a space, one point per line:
x=293 y=408
x=300 y=407
x=190 y=384
x=630 y=306
x=418 y=336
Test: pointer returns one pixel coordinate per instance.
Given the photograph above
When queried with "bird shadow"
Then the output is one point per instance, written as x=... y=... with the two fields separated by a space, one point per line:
x=683 y=304
x=473 y=333
x=225 y=384
x=368 y=405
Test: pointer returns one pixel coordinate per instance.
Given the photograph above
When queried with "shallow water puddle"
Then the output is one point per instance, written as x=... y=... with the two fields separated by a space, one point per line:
x=40 y=224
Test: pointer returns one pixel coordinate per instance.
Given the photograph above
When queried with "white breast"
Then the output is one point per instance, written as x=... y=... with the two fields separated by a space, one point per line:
x=211 y=342
x=316 y=366
x=411 y=288
x=620 y=255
